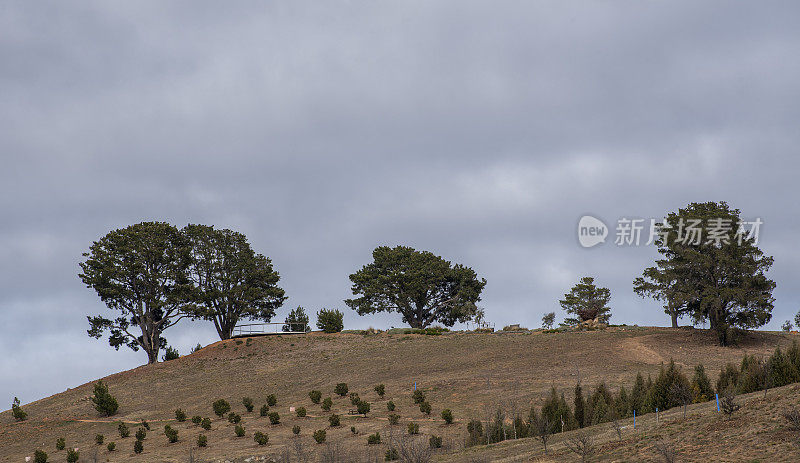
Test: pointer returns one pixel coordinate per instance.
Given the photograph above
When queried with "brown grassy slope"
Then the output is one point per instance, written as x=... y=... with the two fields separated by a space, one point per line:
x=469 y=373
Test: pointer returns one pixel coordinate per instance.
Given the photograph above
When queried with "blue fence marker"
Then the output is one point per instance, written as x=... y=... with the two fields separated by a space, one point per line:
x=717 y=396
x=634 y=419
x=415 y=385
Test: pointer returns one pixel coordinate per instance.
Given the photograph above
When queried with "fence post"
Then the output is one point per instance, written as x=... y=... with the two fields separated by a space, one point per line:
x=634 y=419
x=717 y=396
x=657 y=417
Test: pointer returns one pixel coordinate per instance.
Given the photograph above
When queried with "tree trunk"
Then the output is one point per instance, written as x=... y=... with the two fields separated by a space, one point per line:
x=674 y=316
x=152 y=355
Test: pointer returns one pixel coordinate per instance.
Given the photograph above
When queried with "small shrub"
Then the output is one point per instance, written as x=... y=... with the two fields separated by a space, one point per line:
x=380 y=389
x=272 y=400
x=141 y=434
x=327 y=404
x=260 y=438
x=248 y=404
x=296 y=430
x=447 y=416
x=363 y=408
x=425 y=407
x=123 y=430
x=60 y=443
x=353 y=430
x=99 y=438
x=334 y=420
x=234 y=418
x=418 y=396
x=202 y=440
x=341 y=389
x=264 y=410
x=196 y=348
x=374 y=439
x=138 y=447
x=728 y=403
x=103 y=401
x=390 y=406
x=170 y=354
x=435 y=442
x=354 y=398
x=17 y=412
x=40 y=456
x=73 y=456
x=180 y=415
x=319 y=436
x=315 y=396
x=274 y=418
x=111 y=446
x=300 y=411
x=197 y=419
x=413 y=428
x=221 y=407
x=206 y=424
x=394 y=419
x=792 y=416
x=391 y=454
x=239 y=430
x=172 y=434
x=330 y=321
x=145 y=424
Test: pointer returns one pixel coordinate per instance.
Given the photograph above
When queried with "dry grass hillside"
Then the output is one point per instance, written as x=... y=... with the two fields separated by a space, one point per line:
x=470 y=373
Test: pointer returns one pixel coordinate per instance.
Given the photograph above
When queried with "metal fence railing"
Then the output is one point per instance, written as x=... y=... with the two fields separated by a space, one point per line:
x=254 y=329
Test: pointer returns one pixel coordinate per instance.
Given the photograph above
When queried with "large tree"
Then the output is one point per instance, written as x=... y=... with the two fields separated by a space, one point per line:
x=229 y=280
x=586 y=301
x=139 y=272
x=422 y=287
x=711 y=269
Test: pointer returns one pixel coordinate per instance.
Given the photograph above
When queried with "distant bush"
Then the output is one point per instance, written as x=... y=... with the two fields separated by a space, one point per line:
x=297 y=320
x=17 y=412
x=170 y=354
x=138 y=447
x=413 y=428
x=547 y=320
x=315 y=396
x=196 y=348
x=274 y=417
x=475 y=431
x=196 y=420
x=141 y=434
x=40 y=456
x=60 y=443
x=319 y=436
x=295 y=430
x=248 y=404
x=172 y=434
x=111 y=446
x=327 y=404
x=374 y=438
x=391 y=454
x=72 y=456
x=202 y=440
x=435 y=442
x=260 y=438
x=99 y=438
x=380 y=389
x=103 y=401
x=341 y=389
x=354 y=398
x=334 y=420
x=272 y=400
x=418 y=396
x=264 y=410
x=180 y=416
x=123 y=430
x=353 y=430
x=221 y=407
x=239 y=430
x=234 y=418
x=390 y=406
x=394 y=418
x=145 y=424
x=363 y=408
x=425 y=407
x=447 y=416
x=330 y=321
x=206 y=424
x=701 y=385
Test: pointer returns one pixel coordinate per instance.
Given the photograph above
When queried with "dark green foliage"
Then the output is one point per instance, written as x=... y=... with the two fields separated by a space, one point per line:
x=40 y=456
x=580 y=406
x=196 y=348
x=585 y=301
x=661 y=394
x=447 y=416
x=315 y=396
x=170 y=354
x=297 y=320
x=260 y=438
x=234 y=418
x=327 y=404
x=334 y=420
x=425 y=407
x=138 y=447
x=239 y=430
x=390 y=406
x=61 y=443
x=353 y=430
x=701 y=385
x=319 y=436
x=496 y=429
x=272 y=400
x=380 y=389
x=248 y=404
x=111 y=446
x=727 y=402
x=391 y=454
x=520 y=427
x=296 y=430
x=341 y=389
x=172 y=434
x=422 y=287
x=180 y=416
x=556 y=409
x=753 y=376
x=99 y=438
x=781 y=370
x=141 y=434
x=354 y=398
x=103 y=401
x=221 y=407
x=547 y=320
x=639 y=396
x=264 y=410
x=622 y=404
x=300 y=411
x=330 y=321
x=206 y=424
x=394 y=419
x=728 y=378
x=145 y=424
x=123 y=430
x=197 y=420
x=793 y=354
x=202 y=440
x=274 y=417
x=474 y=433
x=363 y=408
x=418 y=396
x=374 y=438
x=413 y=428
x=17 y=412
x=72 y=456
x=435 y=442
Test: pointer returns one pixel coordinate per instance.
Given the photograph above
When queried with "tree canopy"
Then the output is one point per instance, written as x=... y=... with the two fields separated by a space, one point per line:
x=139 y=272
x=710 y=270
x=586 y=301
x=229 y=280
x=422 y=287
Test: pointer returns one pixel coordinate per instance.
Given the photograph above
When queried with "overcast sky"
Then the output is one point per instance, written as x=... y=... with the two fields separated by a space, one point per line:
x=480 y=132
